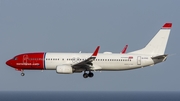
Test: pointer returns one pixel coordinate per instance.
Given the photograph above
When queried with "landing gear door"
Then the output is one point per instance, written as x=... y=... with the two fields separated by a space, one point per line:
x=139 y=60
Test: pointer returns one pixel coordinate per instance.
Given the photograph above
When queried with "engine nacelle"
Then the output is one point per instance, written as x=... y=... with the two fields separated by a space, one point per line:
x=64 y=69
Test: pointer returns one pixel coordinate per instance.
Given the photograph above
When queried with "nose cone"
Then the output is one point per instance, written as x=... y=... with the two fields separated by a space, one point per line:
x=9 y=63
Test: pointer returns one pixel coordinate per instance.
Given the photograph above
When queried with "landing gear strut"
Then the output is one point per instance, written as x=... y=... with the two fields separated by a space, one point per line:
x=86 y=75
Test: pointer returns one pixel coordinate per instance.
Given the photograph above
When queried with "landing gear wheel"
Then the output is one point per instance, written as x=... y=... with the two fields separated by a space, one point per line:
x=22 y=74
x=90 y=74
x=85 y=75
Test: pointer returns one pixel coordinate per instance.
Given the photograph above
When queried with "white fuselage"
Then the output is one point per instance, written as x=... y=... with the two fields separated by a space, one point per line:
x=103 y=62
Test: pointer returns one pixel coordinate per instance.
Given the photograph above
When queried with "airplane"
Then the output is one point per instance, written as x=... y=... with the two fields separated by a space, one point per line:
x=69 y=63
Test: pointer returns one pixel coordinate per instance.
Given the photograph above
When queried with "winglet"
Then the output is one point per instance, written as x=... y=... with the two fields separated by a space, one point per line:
x=167 y=26
x=96 y=51
x=124 y=49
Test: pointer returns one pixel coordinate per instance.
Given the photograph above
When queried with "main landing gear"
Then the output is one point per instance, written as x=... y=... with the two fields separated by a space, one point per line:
x=86 y=75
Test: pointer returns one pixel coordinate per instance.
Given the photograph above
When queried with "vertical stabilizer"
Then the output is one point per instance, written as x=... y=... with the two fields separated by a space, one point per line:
x=158 y=43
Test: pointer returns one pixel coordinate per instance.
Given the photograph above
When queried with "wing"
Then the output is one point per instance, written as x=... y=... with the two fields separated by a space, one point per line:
x=87 y=62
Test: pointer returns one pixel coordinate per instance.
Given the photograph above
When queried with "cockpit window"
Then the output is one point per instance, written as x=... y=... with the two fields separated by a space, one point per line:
x=15 y=58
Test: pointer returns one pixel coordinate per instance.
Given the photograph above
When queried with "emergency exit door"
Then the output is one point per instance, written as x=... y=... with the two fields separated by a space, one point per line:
x=139 y=60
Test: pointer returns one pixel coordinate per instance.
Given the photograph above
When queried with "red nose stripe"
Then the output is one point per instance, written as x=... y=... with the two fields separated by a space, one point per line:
x=37 y=60
x=31 y=61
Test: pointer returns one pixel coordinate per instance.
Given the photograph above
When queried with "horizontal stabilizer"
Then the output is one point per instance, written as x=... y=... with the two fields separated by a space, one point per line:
x=160 y=56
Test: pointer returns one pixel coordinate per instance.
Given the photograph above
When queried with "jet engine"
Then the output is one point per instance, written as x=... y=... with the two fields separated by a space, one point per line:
x=64 y=69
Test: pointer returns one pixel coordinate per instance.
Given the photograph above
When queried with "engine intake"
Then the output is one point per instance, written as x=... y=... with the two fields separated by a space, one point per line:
x=64 y=69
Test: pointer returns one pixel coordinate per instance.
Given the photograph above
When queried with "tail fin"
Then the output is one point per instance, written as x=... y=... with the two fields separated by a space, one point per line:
x=158 y=44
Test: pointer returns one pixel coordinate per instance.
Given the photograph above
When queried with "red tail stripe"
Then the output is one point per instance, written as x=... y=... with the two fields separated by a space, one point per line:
x=167 y=25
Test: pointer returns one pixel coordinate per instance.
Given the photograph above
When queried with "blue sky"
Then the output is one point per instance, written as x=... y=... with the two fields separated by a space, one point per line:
x=81 y=25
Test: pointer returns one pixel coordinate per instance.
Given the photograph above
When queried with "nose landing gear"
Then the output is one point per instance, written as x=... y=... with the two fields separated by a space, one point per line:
x=22 y=74
x=21 y=70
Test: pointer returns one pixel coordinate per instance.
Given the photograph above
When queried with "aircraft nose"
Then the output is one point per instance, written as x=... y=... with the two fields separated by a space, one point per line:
x=9 y=63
